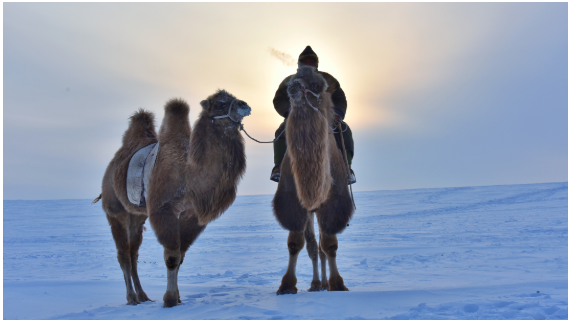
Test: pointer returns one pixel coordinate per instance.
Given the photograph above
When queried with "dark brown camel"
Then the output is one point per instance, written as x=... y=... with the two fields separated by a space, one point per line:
x=313 y=181
x=194 y=180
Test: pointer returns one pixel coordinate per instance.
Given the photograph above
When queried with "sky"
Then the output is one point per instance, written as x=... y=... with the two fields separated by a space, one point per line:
x=439 y=94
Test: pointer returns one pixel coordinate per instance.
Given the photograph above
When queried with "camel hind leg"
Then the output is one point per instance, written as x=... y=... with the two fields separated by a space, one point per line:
x=136 y=226
x=119 y=228
x=312 y=249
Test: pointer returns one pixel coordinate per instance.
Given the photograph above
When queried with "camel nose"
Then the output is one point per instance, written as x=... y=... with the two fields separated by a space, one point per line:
x=244 y=110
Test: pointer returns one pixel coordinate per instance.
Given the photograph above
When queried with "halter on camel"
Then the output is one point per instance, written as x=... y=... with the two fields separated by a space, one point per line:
x=228 y=115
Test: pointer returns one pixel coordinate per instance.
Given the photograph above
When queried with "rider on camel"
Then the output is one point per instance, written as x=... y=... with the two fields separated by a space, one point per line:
x=282 y=105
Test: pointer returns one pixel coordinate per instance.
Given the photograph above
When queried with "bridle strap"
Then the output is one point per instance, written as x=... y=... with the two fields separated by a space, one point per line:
x=315 y=109
x=228 y=112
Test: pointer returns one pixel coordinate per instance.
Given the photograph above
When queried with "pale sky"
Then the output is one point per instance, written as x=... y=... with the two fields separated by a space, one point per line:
x=439 y=94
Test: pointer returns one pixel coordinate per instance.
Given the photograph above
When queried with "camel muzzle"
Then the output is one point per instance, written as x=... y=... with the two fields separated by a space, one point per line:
x=238 y=113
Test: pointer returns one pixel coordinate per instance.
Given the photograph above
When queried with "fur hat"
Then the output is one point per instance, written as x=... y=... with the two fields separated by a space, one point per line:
x=308 y=53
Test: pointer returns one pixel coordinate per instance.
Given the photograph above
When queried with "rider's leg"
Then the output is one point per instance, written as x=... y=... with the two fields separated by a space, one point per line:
x=349 y=144
x=279 y=149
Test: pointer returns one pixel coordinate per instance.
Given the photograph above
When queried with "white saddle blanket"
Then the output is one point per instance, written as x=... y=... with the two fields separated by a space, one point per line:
x=138 y=174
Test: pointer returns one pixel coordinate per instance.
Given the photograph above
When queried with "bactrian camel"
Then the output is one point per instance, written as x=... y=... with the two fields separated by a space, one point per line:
x=194 y=180
x=313 y=182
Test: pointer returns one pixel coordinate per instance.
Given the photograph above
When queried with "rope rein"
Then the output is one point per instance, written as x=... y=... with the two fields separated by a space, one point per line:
x=347 y=165
x=242 y=128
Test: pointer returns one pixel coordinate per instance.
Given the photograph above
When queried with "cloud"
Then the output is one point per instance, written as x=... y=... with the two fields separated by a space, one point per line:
x=285 y=58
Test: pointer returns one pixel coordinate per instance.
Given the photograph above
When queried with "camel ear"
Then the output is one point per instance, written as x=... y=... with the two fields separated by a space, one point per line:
x=205 y=104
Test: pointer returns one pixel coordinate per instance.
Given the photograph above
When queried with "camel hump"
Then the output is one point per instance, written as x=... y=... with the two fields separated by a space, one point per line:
x=177 y=107
x=141 y=126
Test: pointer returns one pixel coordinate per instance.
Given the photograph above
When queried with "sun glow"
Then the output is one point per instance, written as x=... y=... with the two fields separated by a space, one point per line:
x=425 y=72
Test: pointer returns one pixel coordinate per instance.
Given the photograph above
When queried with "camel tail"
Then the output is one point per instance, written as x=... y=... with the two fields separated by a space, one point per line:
x=141 y=126
x=97 y=199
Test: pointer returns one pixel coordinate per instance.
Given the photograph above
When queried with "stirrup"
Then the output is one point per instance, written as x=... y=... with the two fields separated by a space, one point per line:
x=351 y=177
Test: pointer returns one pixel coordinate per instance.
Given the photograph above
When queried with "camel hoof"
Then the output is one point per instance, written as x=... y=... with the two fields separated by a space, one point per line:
x=338 y=288
x=287 y=291
x=315 y=286
x=336 y=284
x=142 y=297
x=131 y=300
x=288 y=284
x=170 y=303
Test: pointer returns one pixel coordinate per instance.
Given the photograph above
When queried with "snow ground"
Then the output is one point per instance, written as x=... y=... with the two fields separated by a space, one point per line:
x=495 y=252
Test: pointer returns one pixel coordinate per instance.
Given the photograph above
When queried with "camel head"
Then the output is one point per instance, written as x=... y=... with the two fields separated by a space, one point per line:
x=307 y=80
x=224 y=109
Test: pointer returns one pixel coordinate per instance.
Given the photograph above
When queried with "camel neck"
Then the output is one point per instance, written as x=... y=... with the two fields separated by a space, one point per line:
x=212 y=139
x=216 y=164
x=308 y=148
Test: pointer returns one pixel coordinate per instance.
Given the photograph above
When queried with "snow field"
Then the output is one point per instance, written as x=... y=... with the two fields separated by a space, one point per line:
x=450 y=253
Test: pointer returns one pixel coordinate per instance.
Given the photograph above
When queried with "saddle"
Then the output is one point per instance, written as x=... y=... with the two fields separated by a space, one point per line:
x=138 y=174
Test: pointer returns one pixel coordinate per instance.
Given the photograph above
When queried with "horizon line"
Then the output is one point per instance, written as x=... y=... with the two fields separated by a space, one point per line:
x=361 y=191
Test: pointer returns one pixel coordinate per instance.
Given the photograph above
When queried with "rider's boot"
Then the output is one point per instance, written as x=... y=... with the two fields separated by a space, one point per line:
x=276 y=173
x=351 y=177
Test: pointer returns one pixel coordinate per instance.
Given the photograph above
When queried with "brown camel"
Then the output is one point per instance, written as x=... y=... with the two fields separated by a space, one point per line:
x=313 y=181
x=194 y=180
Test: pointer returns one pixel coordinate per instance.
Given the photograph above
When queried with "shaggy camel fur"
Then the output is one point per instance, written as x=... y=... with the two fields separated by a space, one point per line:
x=194 y=180
x=313 y=181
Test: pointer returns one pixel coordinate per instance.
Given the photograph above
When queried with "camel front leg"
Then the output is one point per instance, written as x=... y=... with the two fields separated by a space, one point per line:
x=190 y=229
x=329 y=244
x=172 y=296
x=172 y=259
x=312 y=248
x=295 y=243
x=166 y=227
